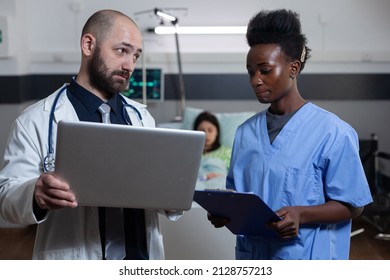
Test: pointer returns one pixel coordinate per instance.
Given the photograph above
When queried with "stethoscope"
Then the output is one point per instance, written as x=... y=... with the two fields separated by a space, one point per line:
x=49 y=160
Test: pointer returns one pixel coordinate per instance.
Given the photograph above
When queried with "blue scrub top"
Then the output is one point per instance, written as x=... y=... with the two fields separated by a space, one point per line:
x=313 y=159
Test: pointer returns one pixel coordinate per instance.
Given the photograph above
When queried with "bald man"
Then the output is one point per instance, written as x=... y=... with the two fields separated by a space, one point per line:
x=30 y=193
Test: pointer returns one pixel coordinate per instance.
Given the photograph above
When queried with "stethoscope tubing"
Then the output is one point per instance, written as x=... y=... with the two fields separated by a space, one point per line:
x=48 y=162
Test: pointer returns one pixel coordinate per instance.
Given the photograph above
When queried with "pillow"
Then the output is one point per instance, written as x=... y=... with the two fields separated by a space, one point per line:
x=189 y=117
x=228 y=122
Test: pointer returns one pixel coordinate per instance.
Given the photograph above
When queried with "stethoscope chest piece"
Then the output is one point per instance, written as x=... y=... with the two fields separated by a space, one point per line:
x=49 y=163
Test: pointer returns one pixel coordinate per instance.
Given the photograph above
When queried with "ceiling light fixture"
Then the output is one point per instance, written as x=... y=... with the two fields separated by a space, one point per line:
x=205 y=30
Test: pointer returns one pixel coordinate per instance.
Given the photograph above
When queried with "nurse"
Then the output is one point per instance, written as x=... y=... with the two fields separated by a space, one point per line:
x=300 y=159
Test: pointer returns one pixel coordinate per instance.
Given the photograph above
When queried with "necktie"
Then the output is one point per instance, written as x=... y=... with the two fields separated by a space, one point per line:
x=115 y=233
x=104 y=110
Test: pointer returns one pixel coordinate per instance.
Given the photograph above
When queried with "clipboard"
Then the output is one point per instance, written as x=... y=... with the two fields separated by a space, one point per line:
x=247 y=212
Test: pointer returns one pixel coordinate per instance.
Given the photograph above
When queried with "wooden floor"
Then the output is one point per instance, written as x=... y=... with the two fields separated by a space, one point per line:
x=365 y=246
x=17 y=244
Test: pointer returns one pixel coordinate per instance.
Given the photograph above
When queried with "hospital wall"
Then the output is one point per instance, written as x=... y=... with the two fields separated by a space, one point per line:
x=348 y=73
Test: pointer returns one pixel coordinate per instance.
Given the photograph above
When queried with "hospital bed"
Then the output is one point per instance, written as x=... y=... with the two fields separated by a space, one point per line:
x=193 y=237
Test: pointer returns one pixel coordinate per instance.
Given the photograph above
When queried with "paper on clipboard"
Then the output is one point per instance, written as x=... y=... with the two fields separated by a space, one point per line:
x=247 y=212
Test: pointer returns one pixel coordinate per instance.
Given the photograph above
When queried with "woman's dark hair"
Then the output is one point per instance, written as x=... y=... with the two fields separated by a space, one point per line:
x=281 y=27
x=207 y=116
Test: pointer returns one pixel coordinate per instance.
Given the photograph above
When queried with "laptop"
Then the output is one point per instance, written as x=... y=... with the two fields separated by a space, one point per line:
x=115 y=165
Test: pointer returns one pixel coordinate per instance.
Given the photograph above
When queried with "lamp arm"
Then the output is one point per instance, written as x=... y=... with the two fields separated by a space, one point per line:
x=181 y=80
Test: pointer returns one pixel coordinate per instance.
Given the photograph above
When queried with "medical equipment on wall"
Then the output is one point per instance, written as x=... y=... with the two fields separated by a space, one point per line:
x=49 y=160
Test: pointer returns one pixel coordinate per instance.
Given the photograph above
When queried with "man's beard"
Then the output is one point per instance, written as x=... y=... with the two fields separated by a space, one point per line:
x=103 y=80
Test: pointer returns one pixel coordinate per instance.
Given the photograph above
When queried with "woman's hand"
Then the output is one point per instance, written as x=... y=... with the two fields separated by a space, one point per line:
x=213 y=175
x=217 y=221
x=288 y=227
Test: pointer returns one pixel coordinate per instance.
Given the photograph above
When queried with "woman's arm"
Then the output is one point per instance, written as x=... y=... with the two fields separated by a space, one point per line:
x=328 y=213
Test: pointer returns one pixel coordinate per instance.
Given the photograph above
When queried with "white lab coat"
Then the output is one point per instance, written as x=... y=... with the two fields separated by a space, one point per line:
x=66 y=233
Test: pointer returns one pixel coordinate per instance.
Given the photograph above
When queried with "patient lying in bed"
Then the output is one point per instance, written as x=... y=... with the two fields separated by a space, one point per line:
x=226 y=125
x=216 y=157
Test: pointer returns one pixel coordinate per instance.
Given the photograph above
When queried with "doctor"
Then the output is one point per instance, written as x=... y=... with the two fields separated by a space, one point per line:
x=111 y=44
x=300 y=159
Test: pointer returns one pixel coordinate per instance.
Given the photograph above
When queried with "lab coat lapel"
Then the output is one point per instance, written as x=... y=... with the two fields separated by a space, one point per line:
x=133 y=115
x=64 y=109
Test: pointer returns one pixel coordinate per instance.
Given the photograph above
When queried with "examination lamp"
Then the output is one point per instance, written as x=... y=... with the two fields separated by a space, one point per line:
x=165 y=16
